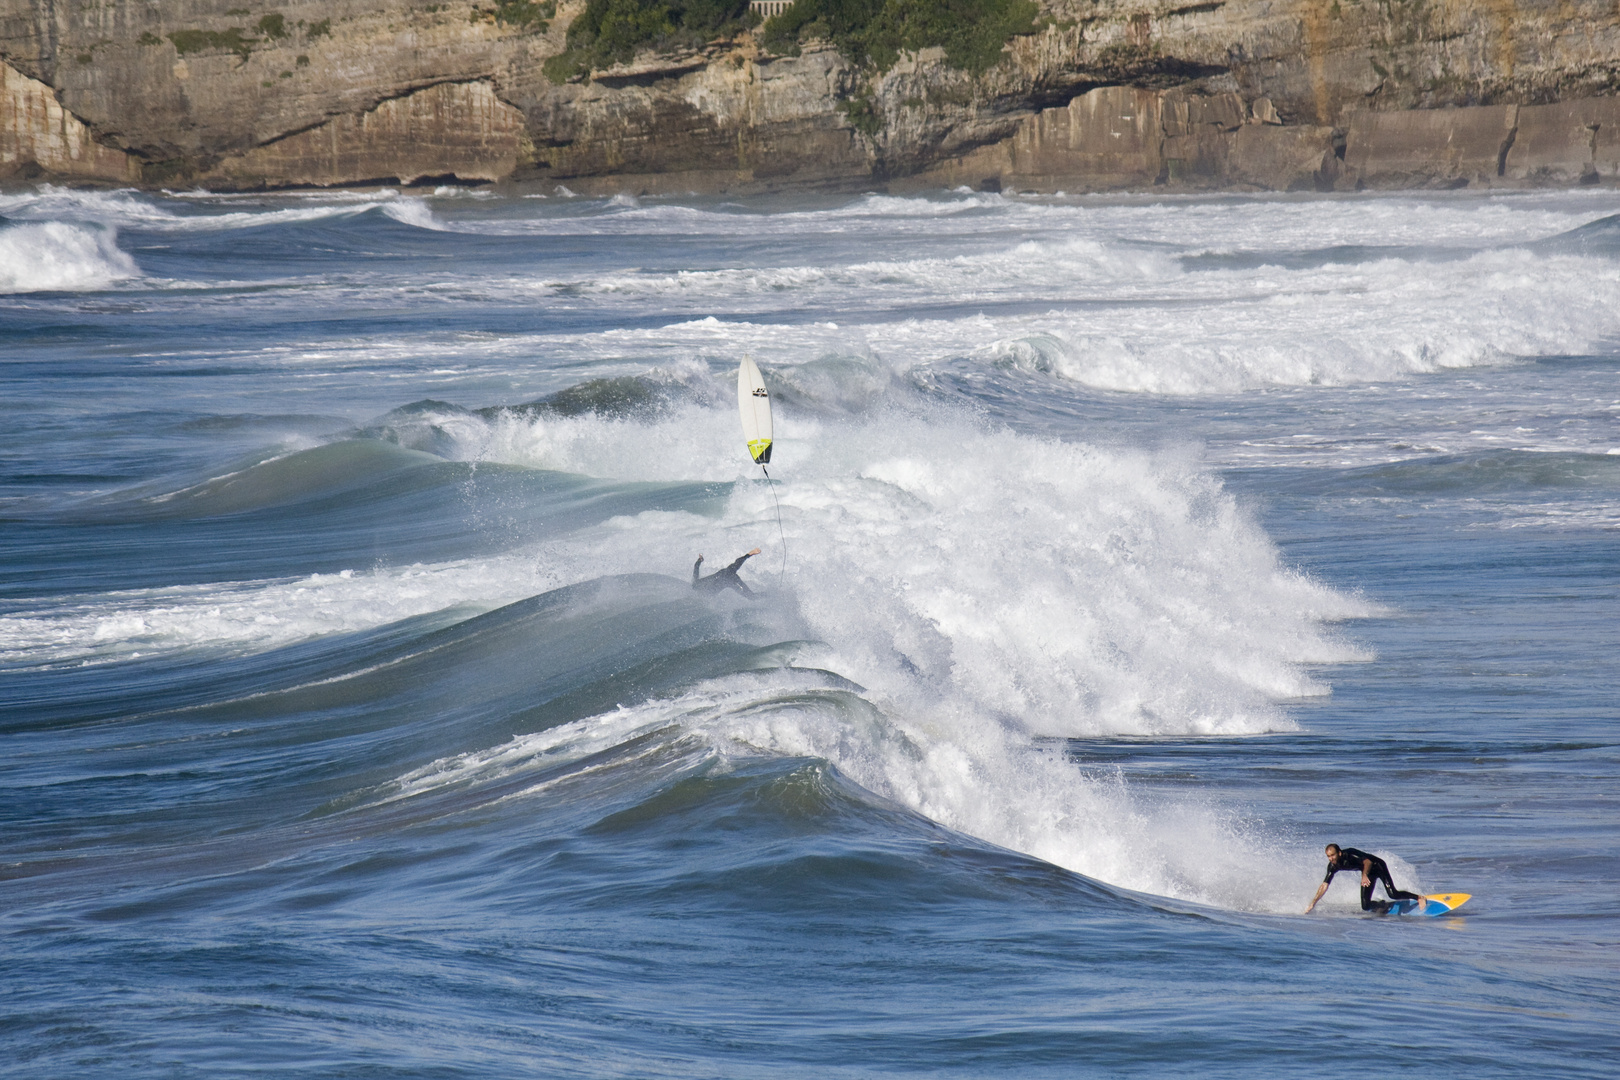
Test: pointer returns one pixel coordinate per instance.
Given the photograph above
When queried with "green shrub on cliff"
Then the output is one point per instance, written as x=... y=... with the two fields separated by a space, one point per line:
x=609 y=32
x=532 y=15
x=972 y=32
x=529 y=14
x=862 y=113
x=190 y=41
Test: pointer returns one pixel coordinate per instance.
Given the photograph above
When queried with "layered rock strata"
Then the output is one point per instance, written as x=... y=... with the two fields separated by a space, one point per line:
x=452 y=131
x=40 y=138
x=1123 y=138
x=1106 y=95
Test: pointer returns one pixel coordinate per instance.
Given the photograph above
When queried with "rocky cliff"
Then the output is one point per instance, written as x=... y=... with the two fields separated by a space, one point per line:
x=1102 y=95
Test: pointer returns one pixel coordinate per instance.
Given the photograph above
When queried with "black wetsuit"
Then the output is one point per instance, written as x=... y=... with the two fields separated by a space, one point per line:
x=721 y=579
x=1351 y=859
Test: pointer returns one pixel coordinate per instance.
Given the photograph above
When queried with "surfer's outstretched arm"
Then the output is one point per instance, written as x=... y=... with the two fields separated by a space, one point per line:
x=1320 y=889
x=695 y=567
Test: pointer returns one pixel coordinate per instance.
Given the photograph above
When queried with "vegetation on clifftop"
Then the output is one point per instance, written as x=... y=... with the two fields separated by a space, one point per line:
x=530 y=15
x=271 y=28
x=611 y=32
x=191 y=41
x=972 y=32
x=876 y=32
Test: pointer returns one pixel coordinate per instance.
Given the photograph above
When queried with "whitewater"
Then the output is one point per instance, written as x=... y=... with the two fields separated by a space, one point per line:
x=360 y=719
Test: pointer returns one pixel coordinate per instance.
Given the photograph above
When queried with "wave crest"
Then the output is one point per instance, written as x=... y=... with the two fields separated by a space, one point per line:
x=53 y=256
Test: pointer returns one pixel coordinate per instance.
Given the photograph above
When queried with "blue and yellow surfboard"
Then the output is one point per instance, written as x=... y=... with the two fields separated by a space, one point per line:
x=1438 y=904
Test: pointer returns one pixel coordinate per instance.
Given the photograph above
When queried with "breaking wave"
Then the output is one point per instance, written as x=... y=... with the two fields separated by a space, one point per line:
x=54 y=256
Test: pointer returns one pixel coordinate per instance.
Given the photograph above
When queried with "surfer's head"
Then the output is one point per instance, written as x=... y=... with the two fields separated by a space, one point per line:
x=1333 y=851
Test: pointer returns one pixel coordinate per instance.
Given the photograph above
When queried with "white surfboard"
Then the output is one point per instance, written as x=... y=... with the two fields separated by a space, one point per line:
x=754 y=402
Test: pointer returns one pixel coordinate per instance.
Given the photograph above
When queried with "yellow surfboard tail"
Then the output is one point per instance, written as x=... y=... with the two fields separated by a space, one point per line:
x=1453 y=900
x=754 y=406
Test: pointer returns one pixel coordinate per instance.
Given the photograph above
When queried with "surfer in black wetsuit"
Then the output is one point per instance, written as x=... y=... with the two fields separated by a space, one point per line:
x=1372 y=870
x=722 y=579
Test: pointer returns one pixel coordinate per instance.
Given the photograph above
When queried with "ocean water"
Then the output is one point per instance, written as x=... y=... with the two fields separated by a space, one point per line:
x=1118 y=553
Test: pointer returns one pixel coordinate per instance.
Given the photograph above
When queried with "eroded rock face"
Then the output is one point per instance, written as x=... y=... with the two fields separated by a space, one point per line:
x=1572 y=142
x=1430 y=147
x=459 y=130
x=1123 y=138
x=39 y=137
x=731 y=120
x=1108 y=94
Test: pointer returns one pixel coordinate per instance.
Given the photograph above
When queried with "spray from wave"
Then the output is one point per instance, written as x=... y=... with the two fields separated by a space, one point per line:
x=970 y=592
x=201 y=213
x=55 y=256
x=982 y=591
x=1377 y=321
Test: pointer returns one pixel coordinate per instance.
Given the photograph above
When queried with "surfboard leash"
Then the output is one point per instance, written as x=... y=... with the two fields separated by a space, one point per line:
x=782 y=573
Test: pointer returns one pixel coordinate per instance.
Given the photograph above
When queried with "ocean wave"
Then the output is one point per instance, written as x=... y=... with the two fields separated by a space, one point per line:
x=1243 y=224
x=1032 y=270
x=1074 y=588
x=1133 y=322
x=55 y=256
x=50 y=202
x=247 y=616
x=1328 y=326
x=952 y=597
x=414 y=212
x=1600 y=237
x=1478 y=474
x=931 y=205
x=133 y=210
x=1115 y=315
x=844 y=761
x=1067 y=588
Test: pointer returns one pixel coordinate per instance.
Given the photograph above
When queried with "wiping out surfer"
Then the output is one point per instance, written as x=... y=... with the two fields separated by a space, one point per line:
x=1373 y=870
x=725 y=578
x=754 y=405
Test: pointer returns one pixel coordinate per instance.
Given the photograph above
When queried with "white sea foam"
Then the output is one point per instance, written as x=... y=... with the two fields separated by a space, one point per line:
x=1331 y=326
x=1066 y=588
x=1098 y=293
x=990 y=782
x=129 y=209
x=1115 y=314
x=250 y=616
x=53 y=255
x=978 y=778
x=1280 y=223
x=1030 y=269
x=985 y=589
x=413 y=212
x=1136 y=321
